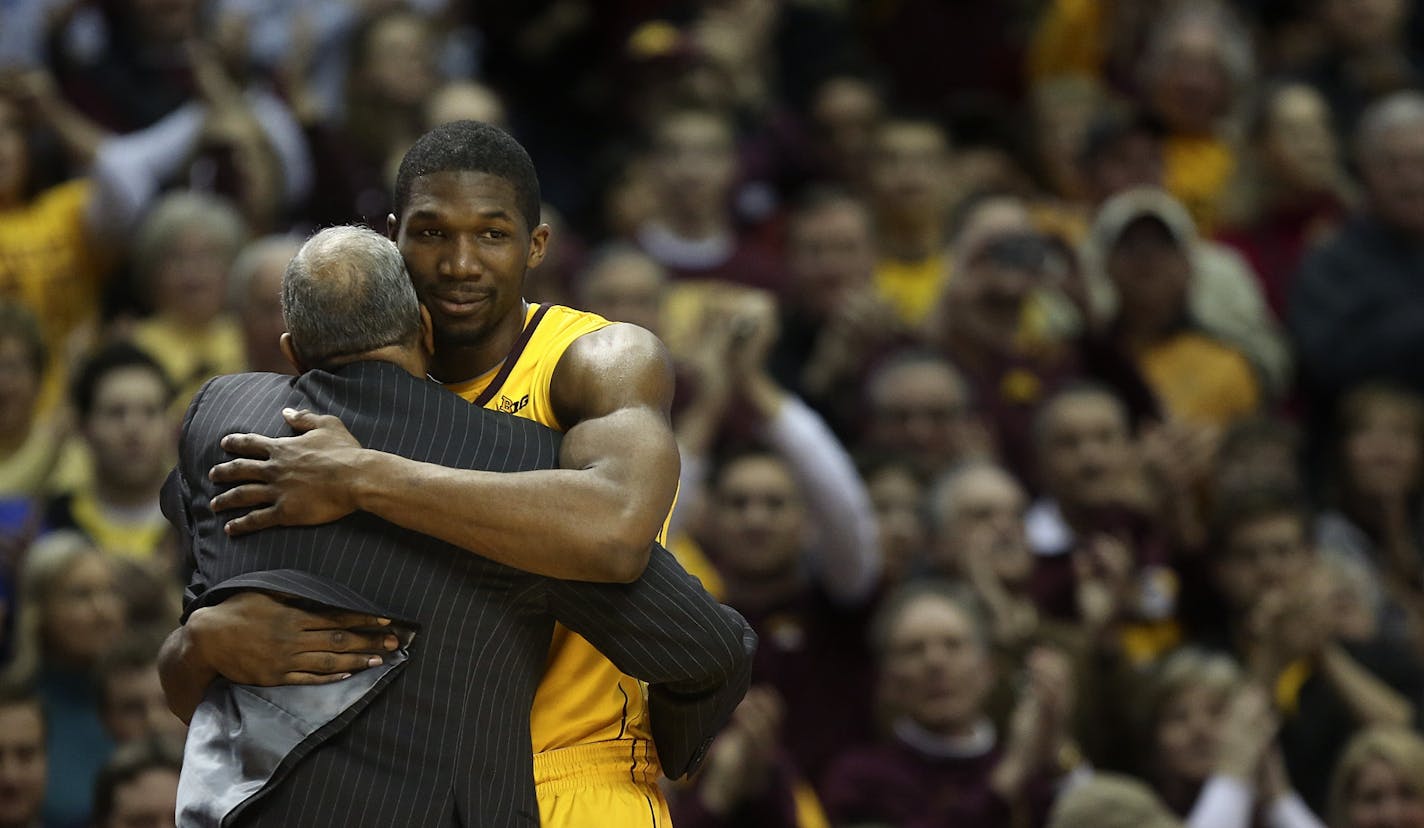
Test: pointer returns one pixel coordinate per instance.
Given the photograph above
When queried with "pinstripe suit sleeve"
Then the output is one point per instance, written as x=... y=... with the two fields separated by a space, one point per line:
x=666 y=630
x=174 y=499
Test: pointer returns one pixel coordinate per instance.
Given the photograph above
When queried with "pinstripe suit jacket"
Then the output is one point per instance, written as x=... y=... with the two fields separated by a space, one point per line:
x=440 y=734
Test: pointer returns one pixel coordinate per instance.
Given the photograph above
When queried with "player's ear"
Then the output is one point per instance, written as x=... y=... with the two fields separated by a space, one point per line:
x=392 y=226
x=289 y=350
x=538 y=243
x=427 y=331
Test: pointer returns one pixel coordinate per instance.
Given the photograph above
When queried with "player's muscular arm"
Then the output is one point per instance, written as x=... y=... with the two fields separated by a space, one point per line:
x=592 y=519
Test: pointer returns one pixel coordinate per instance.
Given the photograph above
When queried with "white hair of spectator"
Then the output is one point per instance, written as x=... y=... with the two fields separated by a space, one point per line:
x=257 y=254
x=1402 y=110
x=179 y=213
x=346 y=292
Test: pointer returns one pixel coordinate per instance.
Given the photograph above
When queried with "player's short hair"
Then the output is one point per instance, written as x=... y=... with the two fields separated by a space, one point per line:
x=471 y=146
x=113 y=357
x=347 y=292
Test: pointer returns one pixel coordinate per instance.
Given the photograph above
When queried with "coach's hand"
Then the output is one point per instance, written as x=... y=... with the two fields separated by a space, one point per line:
x=289 y=481
x=253 y=638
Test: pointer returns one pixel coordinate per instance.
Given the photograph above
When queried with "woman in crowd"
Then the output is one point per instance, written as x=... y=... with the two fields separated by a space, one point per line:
x=1379 y=782
x=69 y=613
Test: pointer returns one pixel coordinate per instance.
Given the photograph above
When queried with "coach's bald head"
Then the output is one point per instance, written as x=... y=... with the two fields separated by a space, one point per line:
x=346 y=297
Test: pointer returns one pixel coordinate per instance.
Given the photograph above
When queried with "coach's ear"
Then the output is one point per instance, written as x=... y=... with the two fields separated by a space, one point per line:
x=289 y=350
x=392 y=226
x=427 y=331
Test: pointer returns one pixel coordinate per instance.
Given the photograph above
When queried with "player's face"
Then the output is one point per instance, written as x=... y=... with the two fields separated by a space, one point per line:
x=22 y=764
x=467 y=247
x=149 y=800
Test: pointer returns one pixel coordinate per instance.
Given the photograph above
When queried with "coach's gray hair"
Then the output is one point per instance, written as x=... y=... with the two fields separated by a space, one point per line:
x=347 y=292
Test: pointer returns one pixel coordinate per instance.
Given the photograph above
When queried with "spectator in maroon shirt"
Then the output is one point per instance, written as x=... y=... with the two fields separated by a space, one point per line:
x=944 y=761
x=813 y=651
x=1294 y=188
x=921 y=410
x=692 y=230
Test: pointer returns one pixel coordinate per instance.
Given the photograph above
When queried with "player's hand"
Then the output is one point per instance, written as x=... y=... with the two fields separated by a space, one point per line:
x=289 y=481
x=254 y=638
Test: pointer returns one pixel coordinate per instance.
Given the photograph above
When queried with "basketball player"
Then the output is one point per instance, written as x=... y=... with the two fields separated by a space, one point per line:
x=467 y=224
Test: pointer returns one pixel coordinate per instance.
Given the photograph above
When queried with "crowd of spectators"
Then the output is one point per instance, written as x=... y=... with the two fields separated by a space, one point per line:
x=1050 y=372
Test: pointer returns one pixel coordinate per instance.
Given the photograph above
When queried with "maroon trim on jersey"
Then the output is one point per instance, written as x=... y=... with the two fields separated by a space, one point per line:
x=514 y=354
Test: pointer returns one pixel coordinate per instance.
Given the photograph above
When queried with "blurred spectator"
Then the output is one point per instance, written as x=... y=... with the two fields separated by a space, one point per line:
x=390 y=77
x=624 y=284
x=182 y=256
x=69 y=615
x=1095 y=494
x=844 y=114
x=1292 y=191
x=1210 y=746
x=139 y=786
x=57 y=243
x=1111 y=801
x=692 y=231
x=1258 y=453
x=1356 y=310
x=1064 y=110
x=1196 y=76
x=944 y=762
x=465 y=100
x=833 y=323
x=1073 y=38
x=1379 y=782
x=1146 y=244
x=23 y=765
x=748 y=778
x=807 y=607
x=255 y=297
x=1123 y=151
x=1000 y=260
x=29 y=446
x=1378 y=515
x=909 y=192
x=121 y=400
x=1279 y=622
x=1369 y=56
x=145 y=61
x=921 y=411
x=896 y=494
x=131 y=701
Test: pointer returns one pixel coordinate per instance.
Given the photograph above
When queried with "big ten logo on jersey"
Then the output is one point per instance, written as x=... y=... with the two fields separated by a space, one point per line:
x=509 y=406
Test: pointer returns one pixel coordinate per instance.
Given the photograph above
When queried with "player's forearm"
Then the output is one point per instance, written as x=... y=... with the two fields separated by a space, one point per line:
x=562 y=523
x=184 y=675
